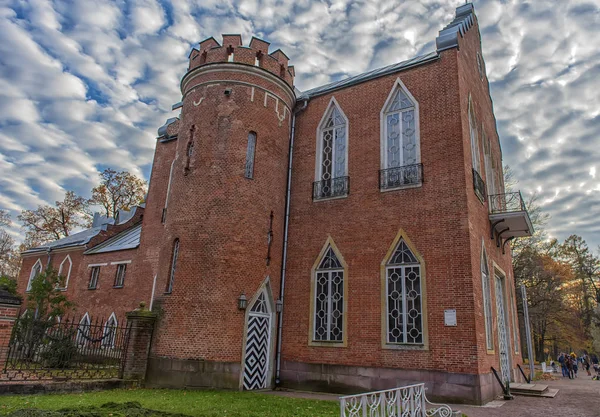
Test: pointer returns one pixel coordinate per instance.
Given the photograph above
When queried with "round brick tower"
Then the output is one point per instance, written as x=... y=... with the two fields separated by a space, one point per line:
x=225 y=218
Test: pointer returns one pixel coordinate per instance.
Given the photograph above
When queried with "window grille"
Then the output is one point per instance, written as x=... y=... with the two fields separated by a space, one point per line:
x=332 y=158
x=404 y=297
x=487 y=301
x=260 y=305
x=120 y=276
x=173 y=266
x=94 y=274
x=249 y=170
x=329 y=299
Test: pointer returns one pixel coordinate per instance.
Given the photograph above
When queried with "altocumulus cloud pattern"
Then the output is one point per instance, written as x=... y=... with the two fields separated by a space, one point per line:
x=85 y=84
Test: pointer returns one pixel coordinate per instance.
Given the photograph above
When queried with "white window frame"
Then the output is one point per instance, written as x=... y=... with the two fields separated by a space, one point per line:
x=398 y=84
x=85 y=321
x=487 y=315
x=106 y=329
x=60 y=270
x=32 y=274
x=94 y=268
x=117 y=275
x=319 y=151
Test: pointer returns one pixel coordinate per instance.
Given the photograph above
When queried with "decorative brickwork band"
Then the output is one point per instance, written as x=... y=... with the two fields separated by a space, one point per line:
x=9 y=311
x=140 y=323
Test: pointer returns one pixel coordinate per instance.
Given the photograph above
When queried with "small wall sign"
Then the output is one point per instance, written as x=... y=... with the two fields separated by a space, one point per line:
x=450 y=317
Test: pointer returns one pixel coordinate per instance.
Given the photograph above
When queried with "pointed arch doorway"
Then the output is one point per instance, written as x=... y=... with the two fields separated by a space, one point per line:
x=258 y=356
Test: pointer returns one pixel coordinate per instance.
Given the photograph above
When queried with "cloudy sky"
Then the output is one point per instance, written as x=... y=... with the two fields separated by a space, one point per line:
x=84 y=84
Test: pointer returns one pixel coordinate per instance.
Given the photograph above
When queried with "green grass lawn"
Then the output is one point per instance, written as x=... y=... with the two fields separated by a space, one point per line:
x=192 y=403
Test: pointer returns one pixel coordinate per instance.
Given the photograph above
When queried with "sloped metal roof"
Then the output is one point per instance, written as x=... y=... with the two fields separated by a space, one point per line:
x=376 y=73
x=75 y=239
x=127 y=239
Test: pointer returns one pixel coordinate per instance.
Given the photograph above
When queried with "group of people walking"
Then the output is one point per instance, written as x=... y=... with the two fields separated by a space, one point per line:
x=570 y=364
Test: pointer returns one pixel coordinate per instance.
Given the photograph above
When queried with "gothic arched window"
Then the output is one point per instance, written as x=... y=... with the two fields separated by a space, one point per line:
x=109 y=336
x=332 y=154
x=404 y=297
x=400 y=142
x=487 y=300
x=329 y=298
x=35 y=271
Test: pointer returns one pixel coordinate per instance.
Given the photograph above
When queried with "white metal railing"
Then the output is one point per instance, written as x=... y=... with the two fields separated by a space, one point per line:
x=409 y=401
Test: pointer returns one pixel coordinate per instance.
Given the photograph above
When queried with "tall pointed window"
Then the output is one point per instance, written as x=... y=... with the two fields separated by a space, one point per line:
x=487 y=301
x=35 y=271
x=173 y=267
x=478 y=184
x=329 y=299
x=400 y=159
x=332 y=154
x=109 y=335
x=490 y=176
x=83 y=330
x=64 y=271
x=404 y=297
x=249 y=169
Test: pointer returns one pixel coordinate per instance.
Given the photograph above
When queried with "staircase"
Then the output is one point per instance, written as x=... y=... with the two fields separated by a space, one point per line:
x=533 y=390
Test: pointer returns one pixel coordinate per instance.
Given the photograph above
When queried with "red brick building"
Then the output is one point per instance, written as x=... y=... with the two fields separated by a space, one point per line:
x=352 y=237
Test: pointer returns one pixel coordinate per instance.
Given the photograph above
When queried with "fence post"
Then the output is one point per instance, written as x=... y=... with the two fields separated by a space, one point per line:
x=9 y=311
x=140 y=325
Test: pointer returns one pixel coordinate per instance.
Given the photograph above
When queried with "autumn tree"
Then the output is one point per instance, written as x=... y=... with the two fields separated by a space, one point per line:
x=118 y=191
x=9 y=258
x=47 y=223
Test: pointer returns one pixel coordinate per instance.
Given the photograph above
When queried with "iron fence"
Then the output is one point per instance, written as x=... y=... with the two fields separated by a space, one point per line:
x=506 y=203
x=333 y=187
x=65 y=349
x=401 y=176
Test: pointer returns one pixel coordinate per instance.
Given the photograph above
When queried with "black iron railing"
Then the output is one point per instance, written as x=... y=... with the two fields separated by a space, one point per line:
x=70 y=349
x=506 y=203
x=335 y=187
x=478 y=185
x=401 y=176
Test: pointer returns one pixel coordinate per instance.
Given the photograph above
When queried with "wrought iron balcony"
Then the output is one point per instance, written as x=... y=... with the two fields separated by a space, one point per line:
x=405 y=176
x=331 y=188
x=478 y=185
x=509 y=217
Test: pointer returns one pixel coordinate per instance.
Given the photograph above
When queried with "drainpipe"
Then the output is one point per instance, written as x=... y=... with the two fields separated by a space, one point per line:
x=285 y=244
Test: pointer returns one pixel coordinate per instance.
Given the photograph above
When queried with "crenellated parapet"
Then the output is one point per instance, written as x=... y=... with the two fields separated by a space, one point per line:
x=256 y=54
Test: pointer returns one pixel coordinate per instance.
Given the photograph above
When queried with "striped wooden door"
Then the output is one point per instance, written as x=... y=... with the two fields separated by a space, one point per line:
x=258 y=343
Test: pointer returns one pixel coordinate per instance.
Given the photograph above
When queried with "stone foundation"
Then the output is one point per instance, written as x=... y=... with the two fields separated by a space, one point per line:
x=441 y=386
x=192 y=373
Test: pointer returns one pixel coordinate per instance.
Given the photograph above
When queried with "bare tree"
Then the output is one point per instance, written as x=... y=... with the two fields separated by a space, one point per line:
x=9 y=259
x=118 y=190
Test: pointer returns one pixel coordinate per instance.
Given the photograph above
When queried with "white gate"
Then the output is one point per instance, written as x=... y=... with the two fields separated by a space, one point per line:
x=502 y=337
x=258 y=343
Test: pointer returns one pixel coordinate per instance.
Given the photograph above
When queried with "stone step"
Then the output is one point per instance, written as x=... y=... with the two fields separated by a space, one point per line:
x=533 y=390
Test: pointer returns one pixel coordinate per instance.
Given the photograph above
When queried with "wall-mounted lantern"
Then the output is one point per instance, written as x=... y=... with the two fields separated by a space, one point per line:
x=278 y=305
x=242 y=301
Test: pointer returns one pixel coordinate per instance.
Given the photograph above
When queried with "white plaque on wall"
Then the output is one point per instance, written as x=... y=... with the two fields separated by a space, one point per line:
x=450 y=317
